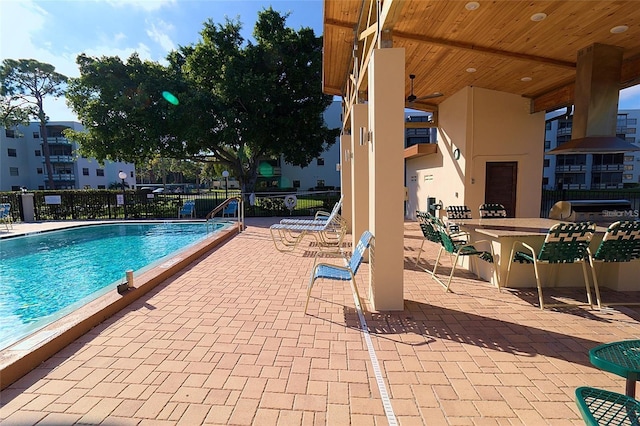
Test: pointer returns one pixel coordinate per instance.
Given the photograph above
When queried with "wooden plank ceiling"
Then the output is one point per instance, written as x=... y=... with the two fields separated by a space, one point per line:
x=502 y=41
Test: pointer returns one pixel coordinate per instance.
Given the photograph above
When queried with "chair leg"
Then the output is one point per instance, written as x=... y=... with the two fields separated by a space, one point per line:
x=309 y=287
x=435 y=266
x=586 y=283
x=535 y=270
x=419 y=253
x=453 y=269
x=506 y=279
x=595 y=282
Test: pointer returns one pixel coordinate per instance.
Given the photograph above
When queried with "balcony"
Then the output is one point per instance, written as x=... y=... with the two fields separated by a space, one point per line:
x=60 y=159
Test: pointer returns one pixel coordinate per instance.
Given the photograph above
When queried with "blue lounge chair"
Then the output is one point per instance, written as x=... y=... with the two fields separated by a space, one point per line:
x=5 y=215
x=231 y=210
x=188 y=209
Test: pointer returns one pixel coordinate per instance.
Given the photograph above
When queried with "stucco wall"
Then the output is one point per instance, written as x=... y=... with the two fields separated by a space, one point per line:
x=486 y=126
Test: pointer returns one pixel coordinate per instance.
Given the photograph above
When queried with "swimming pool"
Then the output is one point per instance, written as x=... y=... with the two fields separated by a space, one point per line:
x=47 y=275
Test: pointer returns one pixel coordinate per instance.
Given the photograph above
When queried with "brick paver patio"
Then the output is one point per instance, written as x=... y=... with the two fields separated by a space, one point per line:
x=226 y=342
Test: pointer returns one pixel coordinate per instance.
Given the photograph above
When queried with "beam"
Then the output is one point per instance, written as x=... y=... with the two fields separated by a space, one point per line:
x=340 y=24
x=487 y=50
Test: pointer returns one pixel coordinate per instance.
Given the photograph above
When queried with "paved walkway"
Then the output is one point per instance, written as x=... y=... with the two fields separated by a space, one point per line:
x=227 y=342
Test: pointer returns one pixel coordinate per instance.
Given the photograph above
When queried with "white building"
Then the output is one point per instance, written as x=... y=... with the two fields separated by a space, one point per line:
x=589 y=171
x=323 y=172
x=23 y=166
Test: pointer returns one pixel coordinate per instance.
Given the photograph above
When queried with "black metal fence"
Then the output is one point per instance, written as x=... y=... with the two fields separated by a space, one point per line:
x=549 y=198
x=113 y=204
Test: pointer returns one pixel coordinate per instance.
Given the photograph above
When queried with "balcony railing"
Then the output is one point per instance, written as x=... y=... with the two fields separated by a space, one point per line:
x=66 y=177
x=607 y=167
x=571 y=168
x=60 y=159
x=574 y=186
x=607 y=186
x=58 y=140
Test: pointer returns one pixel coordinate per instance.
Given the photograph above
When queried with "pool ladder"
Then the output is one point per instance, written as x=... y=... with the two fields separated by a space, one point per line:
x=239 y=216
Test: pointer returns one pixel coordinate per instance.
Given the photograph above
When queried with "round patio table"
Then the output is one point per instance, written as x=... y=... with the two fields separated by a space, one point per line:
x=621 y=358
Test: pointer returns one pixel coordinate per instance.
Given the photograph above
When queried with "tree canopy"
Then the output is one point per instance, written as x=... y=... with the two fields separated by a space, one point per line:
x=24 y=83
x=236 y=101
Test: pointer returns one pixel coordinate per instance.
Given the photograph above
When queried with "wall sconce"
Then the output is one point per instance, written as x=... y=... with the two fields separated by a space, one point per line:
x=365 y=135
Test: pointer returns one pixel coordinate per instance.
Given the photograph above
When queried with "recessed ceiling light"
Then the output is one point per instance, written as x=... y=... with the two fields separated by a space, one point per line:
x=537 y=17
x=472 y=5
x=471 y=69
x=619 y=29
x=526 y=79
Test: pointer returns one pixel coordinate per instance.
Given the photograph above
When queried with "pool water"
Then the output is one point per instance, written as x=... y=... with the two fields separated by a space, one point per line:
x=44 y=276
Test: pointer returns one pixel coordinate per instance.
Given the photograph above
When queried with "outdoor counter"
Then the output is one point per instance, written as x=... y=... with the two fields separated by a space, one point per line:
x=501 y=234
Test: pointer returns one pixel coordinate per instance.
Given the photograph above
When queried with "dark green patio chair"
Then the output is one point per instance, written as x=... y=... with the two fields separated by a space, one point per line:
x=621 y=243
x=456 y=213
x=492 y=211
x=602 y=407
x=564 y=243
x=460 y=248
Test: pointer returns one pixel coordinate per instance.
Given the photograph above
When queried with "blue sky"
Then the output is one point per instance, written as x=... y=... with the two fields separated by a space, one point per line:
x=57 y=31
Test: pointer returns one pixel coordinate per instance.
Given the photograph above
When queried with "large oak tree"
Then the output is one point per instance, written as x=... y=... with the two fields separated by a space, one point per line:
x=238 y=101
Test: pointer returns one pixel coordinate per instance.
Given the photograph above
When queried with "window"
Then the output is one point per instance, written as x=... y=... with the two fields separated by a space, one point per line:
x=13 y=171
x=628 y=166
x=296 y=184
x=85 y=171
x=38 y=153
x=39 y=170
x=320 y=161
x=545 y=181
x=320 y=183
x=99 y=172
x=547 y=125
x=10 y=133
x=36 y=135
x=628 y=158
x=627 y=177
x=11 y=152
x=546 y=162
x=131 y=174
x=547 y=144
x=631 y=130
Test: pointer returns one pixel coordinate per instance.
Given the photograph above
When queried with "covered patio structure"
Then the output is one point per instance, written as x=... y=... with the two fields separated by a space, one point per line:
x=488 y=72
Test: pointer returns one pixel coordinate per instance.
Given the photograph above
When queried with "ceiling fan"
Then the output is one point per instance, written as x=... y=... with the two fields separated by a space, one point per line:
x=413 y=98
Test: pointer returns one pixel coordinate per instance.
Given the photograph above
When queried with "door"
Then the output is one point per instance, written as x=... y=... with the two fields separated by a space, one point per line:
x=500 y=185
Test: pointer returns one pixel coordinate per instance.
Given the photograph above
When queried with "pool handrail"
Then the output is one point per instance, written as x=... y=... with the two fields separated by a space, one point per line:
x=239 y=215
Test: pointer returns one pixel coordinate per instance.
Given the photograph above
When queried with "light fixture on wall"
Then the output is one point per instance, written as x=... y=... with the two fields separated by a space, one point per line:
x=364 y=135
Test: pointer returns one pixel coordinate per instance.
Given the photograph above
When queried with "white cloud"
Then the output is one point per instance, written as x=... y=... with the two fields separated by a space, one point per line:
x=147 y=5
x=159 y=32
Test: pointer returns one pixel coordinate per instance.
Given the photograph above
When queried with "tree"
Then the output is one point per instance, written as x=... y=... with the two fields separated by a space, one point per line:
x=13 y=112
x=29 y=82
x=239 y=102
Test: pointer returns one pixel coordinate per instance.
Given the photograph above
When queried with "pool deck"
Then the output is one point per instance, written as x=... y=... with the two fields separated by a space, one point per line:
x=226 y=341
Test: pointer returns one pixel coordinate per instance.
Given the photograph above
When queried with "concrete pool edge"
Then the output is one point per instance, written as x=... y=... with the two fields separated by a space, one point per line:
x=16 y=362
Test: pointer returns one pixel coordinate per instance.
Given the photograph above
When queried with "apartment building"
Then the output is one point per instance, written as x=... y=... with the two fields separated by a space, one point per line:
x=23 y=164
x=591 y=171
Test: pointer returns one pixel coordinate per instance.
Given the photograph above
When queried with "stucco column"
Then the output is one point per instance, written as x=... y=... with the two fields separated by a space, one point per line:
x=359 y=171
x=345 y=179
x=386 y=177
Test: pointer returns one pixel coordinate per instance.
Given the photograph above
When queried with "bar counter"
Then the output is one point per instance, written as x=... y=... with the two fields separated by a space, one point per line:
x=501 y=233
